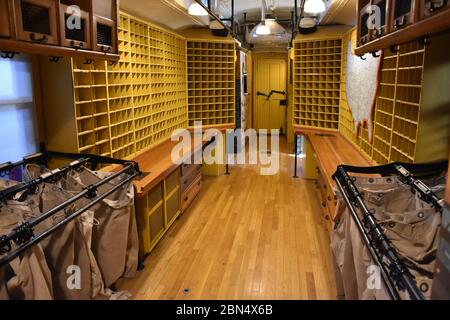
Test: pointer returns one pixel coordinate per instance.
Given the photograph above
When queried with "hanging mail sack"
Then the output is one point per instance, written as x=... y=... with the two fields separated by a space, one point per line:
x=27 y=277
x=115 y=238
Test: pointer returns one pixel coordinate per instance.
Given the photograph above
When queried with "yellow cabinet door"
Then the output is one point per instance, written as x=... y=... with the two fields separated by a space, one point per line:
x=270 y=75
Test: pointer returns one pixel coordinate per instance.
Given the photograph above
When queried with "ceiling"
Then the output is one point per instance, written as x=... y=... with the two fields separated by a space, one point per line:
x=173 y=13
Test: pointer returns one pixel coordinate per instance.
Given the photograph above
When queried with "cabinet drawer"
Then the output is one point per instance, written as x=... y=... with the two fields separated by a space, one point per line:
x=384 y=18
x=331 y=202
x=37 y=21
x=186 y=167
x=403 y=13
x=104 y=35
x=191 y=193
x=431 y=7
x=74 y=37
x=190 y=177
x=172 y=181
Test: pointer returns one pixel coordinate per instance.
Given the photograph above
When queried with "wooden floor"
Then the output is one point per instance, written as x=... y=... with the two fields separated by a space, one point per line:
x=246 y=236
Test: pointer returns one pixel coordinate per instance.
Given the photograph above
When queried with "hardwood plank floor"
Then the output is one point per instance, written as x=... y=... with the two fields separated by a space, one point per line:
x=245 y=236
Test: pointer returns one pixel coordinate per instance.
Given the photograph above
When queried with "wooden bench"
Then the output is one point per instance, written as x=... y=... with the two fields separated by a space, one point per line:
x=325 y=151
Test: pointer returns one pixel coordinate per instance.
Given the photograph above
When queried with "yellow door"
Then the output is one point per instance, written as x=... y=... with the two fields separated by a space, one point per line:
x=270 y=75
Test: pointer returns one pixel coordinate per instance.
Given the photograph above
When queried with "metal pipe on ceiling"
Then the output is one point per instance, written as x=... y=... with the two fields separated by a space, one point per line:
x=217 y=18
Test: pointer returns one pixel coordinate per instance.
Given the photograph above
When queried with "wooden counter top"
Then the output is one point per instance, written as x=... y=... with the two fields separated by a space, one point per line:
x=158 y=162
x=331 y=150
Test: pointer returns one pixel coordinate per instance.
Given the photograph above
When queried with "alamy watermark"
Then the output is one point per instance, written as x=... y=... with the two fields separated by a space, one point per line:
x=374 y=278
x=222 y=150
x=73 y=21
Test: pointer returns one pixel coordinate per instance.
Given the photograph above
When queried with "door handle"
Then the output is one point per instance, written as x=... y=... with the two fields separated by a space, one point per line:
x=268 y=96
x=33 y=37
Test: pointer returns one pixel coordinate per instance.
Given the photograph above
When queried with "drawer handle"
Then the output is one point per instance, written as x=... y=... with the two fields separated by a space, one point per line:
x=400 y=22
x=432 y=6
x=324 y=204
x=199 y=183
x=327 y=218
x=73 y=45
x=44 y=38
x=378 y=32
x=106 y=49
x=186 y=199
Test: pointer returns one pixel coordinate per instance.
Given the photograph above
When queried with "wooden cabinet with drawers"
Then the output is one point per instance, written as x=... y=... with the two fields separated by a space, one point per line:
x=157 y=210
x=60 y=28
x=401 y=21
x=75 y=34
x=36 y=21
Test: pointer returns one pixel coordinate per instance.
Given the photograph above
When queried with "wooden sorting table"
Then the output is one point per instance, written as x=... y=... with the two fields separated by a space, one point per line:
x=325 y=151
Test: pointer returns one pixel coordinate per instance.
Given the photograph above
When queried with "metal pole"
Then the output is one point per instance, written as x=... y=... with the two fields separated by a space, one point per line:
x=295 y=19
x=213 y=15
x=296 y=154
x=232 y=15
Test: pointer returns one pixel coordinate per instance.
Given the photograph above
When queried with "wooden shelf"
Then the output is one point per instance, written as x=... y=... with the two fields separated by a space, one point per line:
x=211 y=82
x=427 y=27
x=49 y=50
x=317 y=76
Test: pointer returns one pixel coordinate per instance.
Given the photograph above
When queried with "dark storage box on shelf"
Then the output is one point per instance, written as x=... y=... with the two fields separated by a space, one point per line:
x=73 y=35
x=105 y=13
x=431 y=7
x=384 y=21
x=36 y=21
x=403 y=13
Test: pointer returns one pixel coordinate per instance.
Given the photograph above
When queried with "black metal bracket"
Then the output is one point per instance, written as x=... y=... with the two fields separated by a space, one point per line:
x=8 y=54
x=5 y=245
x=425 y=193
x=375 y=54
x=88 y=61
x=432 y=7
x=24 y=233
x=395 y=48
x=362 y=58
x=54 y=59
x=92 y=192
x=424 y=41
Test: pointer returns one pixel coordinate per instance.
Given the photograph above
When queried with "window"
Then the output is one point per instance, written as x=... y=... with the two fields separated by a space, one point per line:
x=18 y=132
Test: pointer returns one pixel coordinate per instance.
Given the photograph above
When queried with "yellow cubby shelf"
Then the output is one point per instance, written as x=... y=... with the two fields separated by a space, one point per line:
x=317 y=82
x=211 y=82
x=123 y=108
x=406 y=111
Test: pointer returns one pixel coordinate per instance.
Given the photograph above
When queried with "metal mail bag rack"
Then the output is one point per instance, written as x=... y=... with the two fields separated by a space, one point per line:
x=395 y=274
x=22 y=237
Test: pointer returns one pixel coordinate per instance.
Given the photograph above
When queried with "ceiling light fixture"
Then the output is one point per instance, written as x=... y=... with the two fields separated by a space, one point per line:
x=196 y=9
x=314 y=6
x=262 y=29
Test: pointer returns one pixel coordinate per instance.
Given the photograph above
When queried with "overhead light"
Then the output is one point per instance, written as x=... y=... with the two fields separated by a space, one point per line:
x=262 y=29
x=275 y=27
x=314 y=6
x=196 y=9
